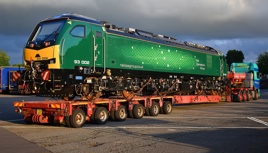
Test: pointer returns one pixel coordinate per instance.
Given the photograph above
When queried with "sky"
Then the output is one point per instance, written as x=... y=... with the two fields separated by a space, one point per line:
x=222 y=24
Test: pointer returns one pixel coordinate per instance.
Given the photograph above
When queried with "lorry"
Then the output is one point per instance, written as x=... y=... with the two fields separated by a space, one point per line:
x=245 y=81
x=243 y=78
x=7 y=79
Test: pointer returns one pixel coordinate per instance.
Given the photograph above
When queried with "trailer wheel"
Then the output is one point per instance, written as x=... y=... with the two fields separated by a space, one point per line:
x=130 y=114
x=120 y=114
x=249 y=95
x=101 y=115
x=253 y=94
x=233 y=98
x=28 y=119
x=239 y=96
x=138 y=111
x=92 y=116
x=78 y=118
x=112 y=115
x=154 y=109
x=256 y=95
x=67 y=121
x=147 y=111
x=244 y=93
x=167 y=107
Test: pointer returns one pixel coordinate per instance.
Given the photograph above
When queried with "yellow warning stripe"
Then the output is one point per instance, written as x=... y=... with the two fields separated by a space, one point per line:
x=55 y=105
x=18 y=104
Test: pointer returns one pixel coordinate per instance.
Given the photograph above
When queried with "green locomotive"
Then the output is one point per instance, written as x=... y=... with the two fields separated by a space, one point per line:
x=70 y=54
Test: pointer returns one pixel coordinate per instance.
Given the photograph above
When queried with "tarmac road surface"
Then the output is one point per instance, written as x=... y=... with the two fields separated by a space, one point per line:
x=204 y=128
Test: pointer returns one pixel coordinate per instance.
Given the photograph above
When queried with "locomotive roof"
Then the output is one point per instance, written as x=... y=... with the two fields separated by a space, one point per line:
x=138 y=33
x=74 y=16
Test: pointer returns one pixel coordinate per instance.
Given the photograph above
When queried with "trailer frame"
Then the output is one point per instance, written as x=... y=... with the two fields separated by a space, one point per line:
x=76 y=112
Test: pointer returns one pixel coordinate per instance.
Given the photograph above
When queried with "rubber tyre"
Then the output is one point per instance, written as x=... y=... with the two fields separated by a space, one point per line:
x=240 y=96
x=154 y=109
x=253 y=94
x=92 y=116
x=120 y=114
x=130 y=114
x=78 y=118
x=28 y=119
x=67 y=121
x=256 y=95
x=244 y=95
x=233 y=98
x=101 y=115
x=138 y=111
x=112 y=115
x=249 y=95
x=167 y=107
x=147 y=111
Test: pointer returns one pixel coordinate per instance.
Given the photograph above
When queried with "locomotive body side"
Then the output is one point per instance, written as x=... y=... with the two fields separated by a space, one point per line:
x=125 y=52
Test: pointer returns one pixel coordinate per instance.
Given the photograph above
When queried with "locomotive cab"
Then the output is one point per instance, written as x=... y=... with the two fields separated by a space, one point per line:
x=64 y=47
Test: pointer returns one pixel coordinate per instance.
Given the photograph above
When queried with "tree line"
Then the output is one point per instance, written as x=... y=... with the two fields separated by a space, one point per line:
x=237 y=56
x=232 y=56
x=4 y=59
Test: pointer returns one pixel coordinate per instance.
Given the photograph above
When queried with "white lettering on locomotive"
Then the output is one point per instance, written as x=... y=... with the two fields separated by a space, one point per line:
x=84 y=62
x=81 y=62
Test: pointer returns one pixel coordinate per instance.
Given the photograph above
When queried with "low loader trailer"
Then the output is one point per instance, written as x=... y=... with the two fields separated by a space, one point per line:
x=76 y=112
x=243 y=85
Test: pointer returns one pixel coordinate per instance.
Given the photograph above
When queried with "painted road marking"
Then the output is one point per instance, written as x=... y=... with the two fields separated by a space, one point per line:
x=193 y=117
x=209 y=117
x=257 y=120
x=32 y=127
x=172 y=127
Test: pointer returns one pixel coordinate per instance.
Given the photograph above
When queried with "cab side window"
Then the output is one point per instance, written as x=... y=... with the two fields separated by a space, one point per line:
x=78 y=31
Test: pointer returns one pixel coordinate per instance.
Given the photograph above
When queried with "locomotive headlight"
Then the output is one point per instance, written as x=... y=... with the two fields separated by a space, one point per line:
x=47 y=43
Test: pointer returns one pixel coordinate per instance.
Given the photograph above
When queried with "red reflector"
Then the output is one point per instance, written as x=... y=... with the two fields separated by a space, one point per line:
x=45 y=75
x=47 y=44
x=15 y=76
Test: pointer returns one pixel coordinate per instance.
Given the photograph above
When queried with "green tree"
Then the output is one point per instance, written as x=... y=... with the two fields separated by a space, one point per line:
x=263 y=63
x=4 y=58
x=234 y=56
x=21 y=65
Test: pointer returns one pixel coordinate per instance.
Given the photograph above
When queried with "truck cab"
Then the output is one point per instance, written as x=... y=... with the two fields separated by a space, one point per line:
x=251 y=80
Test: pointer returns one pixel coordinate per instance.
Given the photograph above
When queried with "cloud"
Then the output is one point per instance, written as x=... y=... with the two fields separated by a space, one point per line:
x=201 y=19
x=234 y=23
x=13 y=45
x=251 y=48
